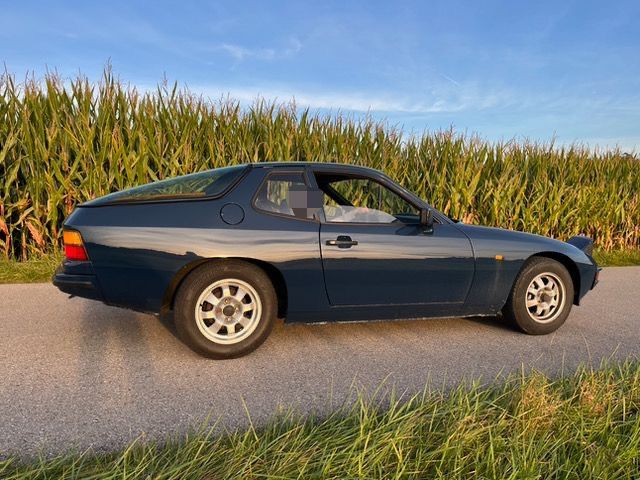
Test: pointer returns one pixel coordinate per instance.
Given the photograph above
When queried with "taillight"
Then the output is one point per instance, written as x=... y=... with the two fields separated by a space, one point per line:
x=73 y=246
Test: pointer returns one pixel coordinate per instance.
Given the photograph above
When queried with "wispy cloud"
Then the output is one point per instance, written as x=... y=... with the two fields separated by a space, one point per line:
x=454 y=100
x=240 y=53
x=626 y=144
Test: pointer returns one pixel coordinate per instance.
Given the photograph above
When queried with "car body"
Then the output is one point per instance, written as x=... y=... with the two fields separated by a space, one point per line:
x=327 y=259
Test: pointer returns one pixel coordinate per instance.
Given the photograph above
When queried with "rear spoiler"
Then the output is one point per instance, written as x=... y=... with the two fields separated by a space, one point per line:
x=583 y=243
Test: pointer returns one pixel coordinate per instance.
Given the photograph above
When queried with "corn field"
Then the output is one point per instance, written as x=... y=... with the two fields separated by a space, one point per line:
x=64 y=142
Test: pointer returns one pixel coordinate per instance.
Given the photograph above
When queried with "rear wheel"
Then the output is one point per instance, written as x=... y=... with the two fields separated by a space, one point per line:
x=541 y=298
x=226 y=309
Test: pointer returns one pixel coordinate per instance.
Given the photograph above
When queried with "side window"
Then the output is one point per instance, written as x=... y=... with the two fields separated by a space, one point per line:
x=362 y=200
x=285 y=194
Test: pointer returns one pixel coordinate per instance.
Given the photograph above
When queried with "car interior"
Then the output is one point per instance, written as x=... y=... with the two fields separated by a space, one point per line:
x=344 y=199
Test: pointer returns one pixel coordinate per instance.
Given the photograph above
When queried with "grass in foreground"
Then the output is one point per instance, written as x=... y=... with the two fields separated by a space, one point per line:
x=584 y=426
x=41 y=269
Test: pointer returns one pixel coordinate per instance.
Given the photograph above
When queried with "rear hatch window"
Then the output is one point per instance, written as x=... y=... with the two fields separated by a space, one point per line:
x=211 y=183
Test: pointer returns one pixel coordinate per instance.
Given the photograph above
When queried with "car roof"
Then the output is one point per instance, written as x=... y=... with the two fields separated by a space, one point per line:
x=317 y=165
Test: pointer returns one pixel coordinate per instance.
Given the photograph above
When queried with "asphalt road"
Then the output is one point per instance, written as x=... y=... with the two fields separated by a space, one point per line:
x=76 y=374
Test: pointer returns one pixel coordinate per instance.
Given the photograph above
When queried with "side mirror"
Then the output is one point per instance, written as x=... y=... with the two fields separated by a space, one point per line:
x=426 y=219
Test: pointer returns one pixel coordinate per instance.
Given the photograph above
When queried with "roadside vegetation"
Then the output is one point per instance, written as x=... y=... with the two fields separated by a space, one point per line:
x=62 y=143
x=617 y=258
x=583 y=426
x=36 y=269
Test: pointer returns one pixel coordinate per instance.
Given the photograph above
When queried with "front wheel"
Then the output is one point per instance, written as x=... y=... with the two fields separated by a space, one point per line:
x=225 y=309
x=541 y=298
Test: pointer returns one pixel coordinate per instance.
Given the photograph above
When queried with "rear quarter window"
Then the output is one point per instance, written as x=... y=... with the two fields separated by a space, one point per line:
x=210 y=183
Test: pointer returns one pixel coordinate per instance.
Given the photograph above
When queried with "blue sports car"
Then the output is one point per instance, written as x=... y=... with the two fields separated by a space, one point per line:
x=230 y=249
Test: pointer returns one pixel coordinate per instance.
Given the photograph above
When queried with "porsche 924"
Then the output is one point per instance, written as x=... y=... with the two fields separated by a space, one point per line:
x=231 y=249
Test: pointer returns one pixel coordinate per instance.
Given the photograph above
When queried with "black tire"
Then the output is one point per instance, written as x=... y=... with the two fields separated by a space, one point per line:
x=193 y=330
x=532 y=319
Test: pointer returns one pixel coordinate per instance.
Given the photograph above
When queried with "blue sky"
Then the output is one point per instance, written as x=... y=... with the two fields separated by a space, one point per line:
x=537 y=70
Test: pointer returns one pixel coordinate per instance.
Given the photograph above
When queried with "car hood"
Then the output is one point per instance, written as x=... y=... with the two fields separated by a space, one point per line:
x=503 y=233
x=514 y=241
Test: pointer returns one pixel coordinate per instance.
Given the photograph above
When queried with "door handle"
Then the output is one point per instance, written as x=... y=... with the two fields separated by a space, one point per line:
x=343 y=241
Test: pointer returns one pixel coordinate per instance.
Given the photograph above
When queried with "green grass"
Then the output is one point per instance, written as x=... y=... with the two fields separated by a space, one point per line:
x=38 y=269
x=617 y=258
x=41 y=268
x=584 y=426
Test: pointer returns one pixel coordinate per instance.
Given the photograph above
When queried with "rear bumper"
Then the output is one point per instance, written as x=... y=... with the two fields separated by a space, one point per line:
x=85 y=286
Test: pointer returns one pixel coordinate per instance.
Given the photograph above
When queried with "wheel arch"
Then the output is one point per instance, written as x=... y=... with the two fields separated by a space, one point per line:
x=571 y=267
x=274 y=274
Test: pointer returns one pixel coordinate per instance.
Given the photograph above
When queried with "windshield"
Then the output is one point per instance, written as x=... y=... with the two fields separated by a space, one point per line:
x=210 y=183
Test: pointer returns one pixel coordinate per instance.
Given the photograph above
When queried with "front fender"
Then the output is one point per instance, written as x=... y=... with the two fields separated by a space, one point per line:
x=500 y=255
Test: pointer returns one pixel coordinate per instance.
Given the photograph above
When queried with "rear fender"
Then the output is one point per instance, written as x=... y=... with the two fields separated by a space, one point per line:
x=272 y=272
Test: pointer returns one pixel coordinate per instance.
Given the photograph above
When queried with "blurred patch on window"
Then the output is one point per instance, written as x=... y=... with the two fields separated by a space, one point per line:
x=288 y=194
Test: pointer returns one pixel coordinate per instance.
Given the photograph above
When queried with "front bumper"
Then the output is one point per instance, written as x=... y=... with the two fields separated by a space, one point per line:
x=596 y=277
x=83 y=285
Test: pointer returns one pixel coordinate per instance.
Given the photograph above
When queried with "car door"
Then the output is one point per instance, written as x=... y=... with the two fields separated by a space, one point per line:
x=375 y=252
